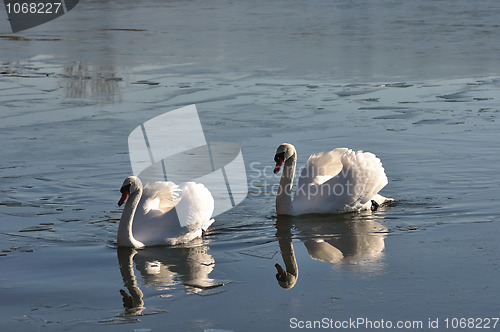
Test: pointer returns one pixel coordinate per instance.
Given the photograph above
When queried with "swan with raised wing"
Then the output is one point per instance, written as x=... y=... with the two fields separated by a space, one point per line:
x=337 y=181
x=162 y=214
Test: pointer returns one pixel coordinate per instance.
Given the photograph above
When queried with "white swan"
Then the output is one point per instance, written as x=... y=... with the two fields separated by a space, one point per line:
x=149 y=217
x=337 y=181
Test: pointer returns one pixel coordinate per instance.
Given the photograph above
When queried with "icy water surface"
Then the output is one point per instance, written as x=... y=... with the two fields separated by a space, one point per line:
x=429 y=111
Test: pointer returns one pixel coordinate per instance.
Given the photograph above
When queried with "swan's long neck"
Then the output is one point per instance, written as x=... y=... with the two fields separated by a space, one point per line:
x=125 y=259
x=284 y=235
x=125 y=236
x=286 y=248
x=284 y=197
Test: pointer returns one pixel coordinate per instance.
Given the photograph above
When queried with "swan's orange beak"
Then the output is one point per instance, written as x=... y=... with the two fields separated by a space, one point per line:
x=281 y=272
x=279 y=163
x=123 y=199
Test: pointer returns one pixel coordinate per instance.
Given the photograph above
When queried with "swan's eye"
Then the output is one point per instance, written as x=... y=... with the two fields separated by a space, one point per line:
x=125 y=189
x=279 y=157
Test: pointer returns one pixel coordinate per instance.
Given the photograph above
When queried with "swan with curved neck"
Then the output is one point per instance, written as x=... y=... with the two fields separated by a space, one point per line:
x=285 y=154
x=131 y=191
x=152 y=215
x=340 y=180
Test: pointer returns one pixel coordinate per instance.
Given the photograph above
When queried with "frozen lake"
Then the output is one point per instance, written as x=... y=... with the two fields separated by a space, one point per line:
x=416 y=83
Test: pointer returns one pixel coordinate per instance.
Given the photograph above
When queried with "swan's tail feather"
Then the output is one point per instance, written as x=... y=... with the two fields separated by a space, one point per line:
x=381 y=200
x=196 y=206
x=207 y=224
x=364 y=174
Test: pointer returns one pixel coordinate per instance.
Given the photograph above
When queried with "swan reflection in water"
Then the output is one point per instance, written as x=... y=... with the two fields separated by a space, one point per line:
x=162 y=268
x=355 y=240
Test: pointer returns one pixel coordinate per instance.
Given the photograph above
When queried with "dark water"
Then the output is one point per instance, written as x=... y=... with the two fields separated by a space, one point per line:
x=351 y=41
x=416 y=83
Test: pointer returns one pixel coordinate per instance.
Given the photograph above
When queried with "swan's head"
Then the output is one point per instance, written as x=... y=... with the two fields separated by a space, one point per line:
x=285 y=279
x=131 y=185
x=284 y=152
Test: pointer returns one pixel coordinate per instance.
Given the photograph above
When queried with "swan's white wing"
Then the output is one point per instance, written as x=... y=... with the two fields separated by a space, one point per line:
x=155 y=227
x=159 y=195
x=194 y=209
x=359 y=178
x=321 y=167
x=196 y=206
